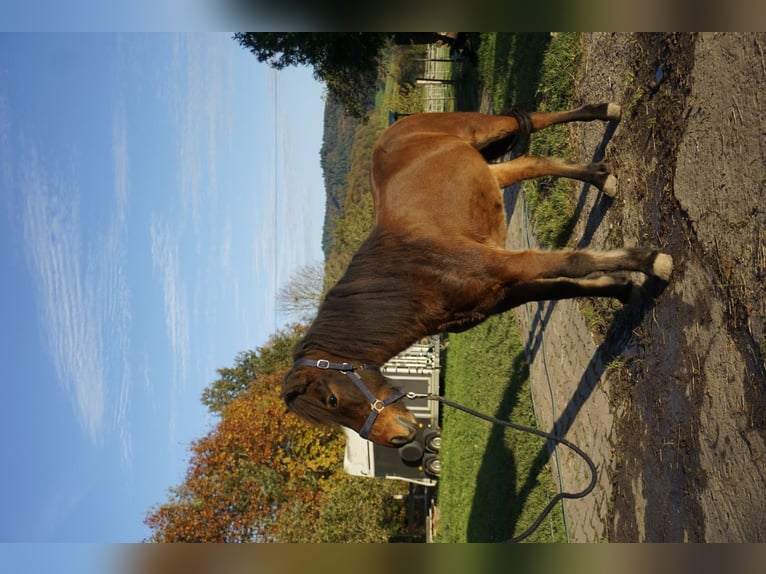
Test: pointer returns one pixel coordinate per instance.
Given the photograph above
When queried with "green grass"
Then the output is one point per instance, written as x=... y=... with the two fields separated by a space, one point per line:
x=536 y=72
x=495 y=481
x=509 y=65
x=550 y=200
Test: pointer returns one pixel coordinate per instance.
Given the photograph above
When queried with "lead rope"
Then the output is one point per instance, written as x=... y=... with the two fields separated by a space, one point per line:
x=561 y=440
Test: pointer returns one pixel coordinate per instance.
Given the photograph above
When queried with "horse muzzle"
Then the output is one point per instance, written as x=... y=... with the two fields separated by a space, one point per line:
x=402 y=439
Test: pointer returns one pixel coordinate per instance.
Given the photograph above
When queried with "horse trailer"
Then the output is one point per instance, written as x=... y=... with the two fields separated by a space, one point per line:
x=414 y=370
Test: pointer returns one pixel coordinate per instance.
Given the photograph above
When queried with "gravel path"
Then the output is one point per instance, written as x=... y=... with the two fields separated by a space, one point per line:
x=671 y=402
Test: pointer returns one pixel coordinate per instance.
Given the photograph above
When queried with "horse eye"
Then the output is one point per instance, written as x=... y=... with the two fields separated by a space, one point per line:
x=333 y=401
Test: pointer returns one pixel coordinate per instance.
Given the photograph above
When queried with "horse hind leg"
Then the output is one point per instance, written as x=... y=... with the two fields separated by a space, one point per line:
x=597 y=174
x=481 y=130
x=614 y=286
x=607 y=112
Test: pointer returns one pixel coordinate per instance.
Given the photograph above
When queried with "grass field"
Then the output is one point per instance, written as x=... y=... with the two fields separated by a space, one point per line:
x=495 y=481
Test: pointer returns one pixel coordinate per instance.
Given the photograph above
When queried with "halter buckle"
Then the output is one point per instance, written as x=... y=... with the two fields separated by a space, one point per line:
x=377 y=406
x=323 y=364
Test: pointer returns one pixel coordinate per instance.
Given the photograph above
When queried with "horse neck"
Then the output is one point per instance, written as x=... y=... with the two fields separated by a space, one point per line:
x=370 y=314
x=356 y=331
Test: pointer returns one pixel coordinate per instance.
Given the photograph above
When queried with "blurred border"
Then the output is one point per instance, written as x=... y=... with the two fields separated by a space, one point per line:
x=398 y=15
x=441 y=559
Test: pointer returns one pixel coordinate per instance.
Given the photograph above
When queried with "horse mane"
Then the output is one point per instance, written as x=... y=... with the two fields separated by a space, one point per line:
x=372 y=310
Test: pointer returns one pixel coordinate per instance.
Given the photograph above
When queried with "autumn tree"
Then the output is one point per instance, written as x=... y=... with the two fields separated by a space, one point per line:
x=251 y=464
x=272 y=357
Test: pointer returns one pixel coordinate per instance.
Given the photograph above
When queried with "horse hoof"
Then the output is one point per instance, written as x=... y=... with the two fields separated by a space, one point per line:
x=663 y=266
x=610 y=186
x=613 y=112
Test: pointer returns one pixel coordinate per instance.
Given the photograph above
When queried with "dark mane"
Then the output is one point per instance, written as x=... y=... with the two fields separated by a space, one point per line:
x=369 y=314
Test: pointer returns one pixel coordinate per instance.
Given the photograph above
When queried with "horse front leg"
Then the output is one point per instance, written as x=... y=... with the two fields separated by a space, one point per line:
x=608 y=112
x=579 y=263
x=531 y=274
x=620 y=287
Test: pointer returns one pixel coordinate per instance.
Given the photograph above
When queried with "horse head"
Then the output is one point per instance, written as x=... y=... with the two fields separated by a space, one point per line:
x=357 y=397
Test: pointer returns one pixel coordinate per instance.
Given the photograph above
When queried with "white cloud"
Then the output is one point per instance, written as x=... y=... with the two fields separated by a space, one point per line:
x=197 y=94
x=166 y=263
x=202 y=113
x=84 y=298
x=225 y=257
x=123 y=428
x=113 y=310
x=60 y=506
x=297 y=209
x=68 y=300
x=120 y=158
x=114 y=287
x=6 y=166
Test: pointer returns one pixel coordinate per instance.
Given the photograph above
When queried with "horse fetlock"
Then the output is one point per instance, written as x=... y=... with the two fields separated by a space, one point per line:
x=663 y=266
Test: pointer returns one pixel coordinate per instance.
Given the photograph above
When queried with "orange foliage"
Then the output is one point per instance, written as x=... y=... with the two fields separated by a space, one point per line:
x=254 y=462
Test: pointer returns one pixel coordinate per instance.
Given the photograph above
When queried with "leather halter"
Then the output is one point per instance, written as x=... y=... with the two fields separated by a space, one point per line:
x=376 y=405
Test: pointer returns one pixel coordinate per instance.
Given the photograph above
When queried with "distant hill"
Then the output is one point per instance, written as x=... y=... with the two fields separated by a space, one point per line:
x=335 y=158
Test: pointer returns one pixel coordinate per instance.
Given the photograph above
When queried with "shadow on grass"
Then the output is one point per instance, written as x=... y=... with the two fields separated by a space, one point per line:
x=496 y=504
x=518 y=60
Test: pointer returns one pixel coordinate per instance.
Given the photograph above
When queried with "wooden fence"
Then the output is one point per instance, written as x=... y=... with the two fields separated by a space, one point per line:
x=437 y=82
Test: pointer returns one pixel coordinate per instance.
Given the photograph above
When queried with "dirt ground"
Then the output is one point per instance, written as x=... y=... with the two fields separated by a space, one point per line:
x=670 y=397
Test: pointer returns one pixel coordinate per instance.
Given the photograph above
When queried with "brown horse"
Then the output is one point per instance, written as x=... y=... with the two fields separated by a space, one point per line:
x=435 y=261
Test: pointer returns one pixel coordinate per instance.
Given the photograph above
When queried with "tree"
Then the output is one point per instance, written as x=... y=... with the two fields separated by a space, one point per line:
x=347 y=62
x=274 y=356
x=351 y=509
x=348 y=233
x=303 y=293
x=240 y=475
x=408 y=99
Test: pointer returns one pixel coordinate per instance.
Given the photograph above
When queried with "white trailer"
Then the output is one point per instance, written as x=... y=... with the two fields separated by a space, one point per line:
x=417 y=370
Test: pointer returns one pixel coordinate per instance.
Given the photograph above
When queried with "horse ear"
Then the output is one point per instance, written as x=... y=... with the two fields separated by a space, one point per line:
x=294 y=384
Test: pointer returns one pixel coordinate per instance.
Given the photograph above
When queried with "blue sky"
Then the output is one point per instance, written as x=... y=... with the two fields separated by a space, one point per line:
x=153 y=196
